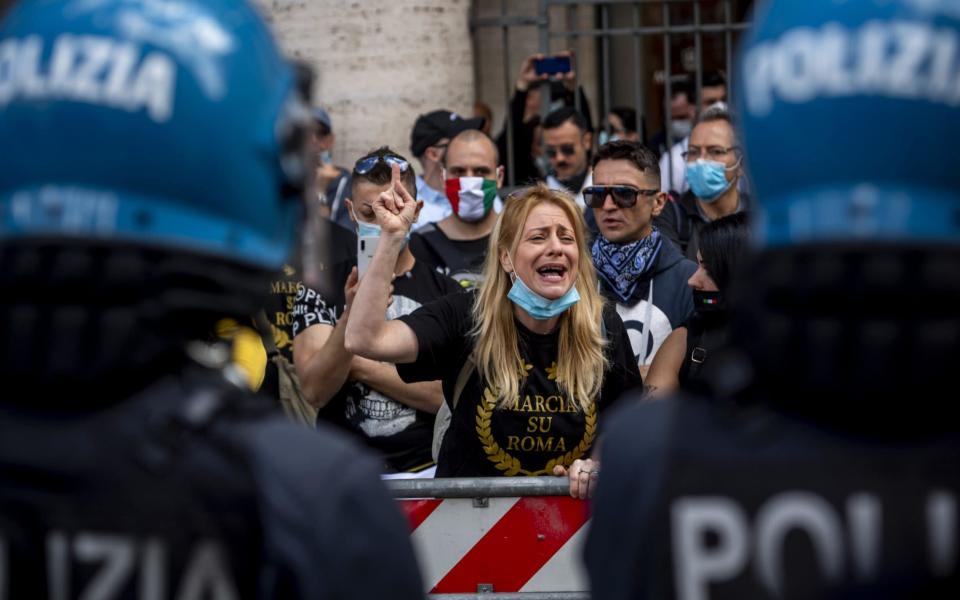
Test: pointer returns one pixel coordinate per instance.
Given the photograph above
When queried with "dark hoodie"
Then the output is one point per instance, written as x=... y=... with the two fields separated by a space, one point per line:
x=672 y=300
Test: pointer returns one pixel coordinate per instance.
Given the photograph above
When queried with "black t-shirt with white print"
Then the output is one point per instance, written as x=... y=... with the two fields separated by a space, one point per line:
x=537 y=431
x=401 y=434
x=461 y=260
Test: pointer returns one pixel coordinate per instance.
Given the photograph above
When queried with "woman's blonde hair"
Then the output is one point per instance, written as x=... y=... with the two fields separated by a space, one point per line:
x=581 y=361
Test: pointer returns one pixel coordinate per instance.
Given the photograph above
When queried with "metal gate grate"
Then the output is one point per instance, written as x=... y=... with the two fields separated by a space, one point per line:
x=629 y=52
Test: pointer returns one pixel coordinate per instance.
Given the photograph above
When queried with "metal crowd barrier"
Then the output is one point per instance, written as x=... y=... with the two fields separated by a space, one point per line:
x=478 y=487
x=509 y=538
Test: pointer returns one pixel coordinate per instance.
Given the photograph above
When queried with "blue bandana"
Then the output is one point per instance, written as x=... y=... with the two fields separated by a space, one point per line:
x=622 y=266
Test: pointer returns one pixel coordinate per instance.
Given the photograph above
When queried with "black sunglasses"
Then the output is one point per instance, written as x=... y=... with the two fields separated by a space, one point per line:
x=624 y=196
x=565 y=149
x=365 y=165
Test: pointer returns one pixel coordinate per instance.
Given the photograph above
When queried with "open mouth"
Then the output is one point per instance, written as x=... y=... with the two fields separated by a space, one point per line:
x=552 y=272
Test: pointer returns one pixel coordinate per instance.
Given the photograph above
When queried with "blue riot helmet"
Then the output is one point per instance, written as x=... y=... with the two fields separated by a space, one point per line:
x=849 y=112
x=154 y=161
x=155 y=122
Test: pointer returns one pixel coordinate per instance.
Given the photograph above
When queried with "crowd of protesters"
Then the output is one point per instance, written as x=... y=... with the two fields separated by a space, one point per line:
x=535 y=310
x=772 y=402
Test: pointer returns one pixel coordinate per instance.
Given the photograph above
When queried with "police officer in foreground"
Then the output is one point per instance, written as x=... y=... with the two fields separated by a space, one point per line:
x=153 y=167
x=827 y=462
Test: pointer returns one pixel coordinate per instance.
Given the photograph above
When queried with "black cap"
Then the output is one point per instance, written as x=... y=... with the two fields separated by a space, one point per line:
x=434 y=126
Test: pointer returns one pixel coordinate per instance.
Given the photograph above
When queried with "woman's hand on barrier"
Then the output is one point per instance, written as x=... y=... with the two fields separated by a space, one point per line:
x=396 y=209
x=583 y=476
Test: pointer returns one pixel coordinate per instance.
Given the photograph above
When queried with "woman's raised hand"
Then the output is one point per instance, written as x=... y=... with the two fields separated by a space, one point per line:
x=395 y=208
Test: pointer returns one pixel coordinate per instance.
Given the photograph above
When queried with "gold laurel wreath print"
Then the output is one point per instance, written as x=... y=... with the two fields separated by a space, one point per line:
x=509 y=464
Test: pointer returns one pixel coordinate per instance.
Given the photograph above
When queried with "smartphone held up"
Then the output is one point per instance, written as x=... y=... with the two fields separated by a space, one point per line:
x=553 y=65
x=366 y=246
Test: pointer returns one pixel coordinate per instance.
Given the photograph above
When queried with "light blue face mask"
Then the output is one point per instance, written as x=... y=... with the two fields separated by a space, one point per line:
x=371 y=230
x=606 y=136
x=537 y=306
x=708 y=179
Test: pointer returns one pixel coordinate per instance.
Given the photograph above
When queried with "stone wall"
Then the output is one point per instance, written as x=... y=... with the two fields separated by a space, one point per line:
x=380 y=63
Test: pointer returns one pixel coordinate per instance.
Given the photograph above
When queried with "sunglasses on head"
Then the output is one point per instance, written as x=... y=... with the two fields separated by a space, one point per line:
x=624 y=196
x=565 y=149
x=365 y=165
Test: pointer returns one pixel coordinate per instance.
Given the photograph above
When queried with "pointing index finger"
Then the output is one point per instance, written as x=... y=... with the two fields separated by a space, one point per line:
x=400 y=190
x=394 y=175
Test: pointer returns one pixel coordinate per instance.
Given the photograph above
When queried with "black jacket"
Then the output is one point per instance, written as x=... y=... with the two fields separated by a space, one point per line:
x=192 y=488
x=700 y=498
x=681 y=220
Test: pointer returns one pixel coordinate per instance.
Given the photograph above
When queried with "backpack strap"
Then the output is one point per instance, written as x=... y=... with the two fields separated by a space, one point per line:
x=445 y=414
x=465 y=372
x=266 y=332
x=292 y=399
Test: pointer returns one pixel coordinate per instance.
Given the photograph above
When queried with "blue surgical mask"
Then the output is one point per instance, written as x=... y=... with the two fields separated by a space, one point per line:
x=325 y=157
x=536 y=305
x=371 y=230
x=708 y=179
x=367 y=229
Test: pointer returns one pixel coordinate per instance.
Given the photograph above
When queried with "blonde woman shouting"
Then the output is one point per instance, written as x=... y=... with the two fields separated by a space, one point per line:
x=528 y=362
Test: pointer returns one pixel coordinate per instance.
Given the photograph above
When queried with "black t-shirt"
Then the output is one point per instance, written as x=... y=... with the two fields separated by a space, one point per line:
x=338 y=252
x=400 y=433
x=461 y=260
x=681 y=221
x=542 y=428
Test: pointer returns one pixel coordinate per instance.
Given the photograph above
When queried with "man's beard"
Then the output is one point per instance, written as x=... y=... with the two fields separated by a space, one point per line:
x=574 y=182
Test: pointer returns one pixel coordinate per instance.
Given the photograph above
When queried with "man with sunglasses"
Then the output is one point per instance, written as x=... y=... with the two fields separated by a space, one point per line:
x=714 y=167
x=639 y=269
x=567 y=140
x=368 y=398
x=429 y=139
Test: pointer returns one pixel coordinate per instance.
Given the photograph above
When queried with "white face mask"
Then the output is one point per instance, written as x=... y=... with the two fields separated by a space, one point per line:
x=680 y=128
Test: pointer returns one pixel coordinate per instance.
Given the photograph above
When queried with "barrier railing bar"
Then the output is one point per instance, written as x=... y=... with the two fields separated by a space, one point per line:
x=605 y=63
x=667 y=88
x=509 y=90
x=655 y=30
x=728 y=49
x=478 y=487
x=543 y=37
x=573 y=12
x=638 y=76
x=514 y=596
x=511 y=21
x=595 y=2
x=697 y=53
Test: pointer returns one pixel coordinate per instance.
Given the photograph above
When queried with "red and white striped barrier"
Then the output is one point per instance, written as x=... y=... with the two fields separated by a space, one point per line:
x=528 y=544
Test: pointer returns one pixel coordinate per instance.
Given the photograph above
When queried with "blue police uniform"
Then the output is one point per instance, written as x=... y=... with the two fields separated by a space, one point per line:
x=153 y=181
x=825 y=463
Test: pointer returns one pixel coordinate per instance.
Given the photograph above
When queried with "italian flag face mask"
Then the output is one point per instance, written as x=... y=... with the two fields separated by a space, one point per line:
x=471 y=197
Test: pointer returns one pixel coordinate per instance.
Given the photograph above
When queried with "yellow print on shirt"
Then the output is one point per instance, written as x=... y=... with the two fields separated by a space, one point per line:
x=509 y=464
